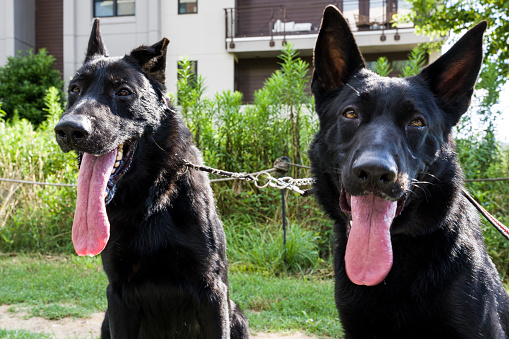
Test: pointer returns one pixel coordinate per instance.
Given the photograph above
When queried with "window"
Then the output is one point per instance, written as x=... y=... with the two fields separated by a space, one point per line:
x=188 y=6
x=105 y=8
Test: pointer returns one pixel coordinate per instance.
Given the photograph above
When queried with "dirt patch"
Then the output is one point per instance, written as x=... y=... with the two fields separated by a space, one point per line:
x=63 y=328
x=86 y=327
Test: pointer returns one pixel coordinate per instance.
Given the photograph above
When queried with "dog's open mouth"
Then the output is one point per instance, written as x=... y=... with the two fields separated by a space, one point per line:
x=97 y=182
x=345 y=203
x=123 y=159
x=125 y=153
x=368 y=256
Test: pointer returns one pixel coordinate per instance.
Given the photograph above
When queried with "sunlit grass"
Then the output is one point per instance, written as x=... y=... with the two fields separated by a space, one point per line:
x=69 y=286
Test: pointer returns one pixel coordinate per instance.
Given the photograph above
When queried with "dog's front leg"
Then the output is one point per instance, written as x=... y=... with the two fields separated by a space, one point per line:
x=105 y=328
x=214 y=317
x=121 y=321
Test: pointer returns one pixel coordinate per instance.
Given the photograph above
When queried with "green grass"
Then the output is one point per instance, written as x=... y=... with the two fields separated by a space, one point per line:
x=22 y=334
x=53 y=287
x=69 y=286
x=287 y=303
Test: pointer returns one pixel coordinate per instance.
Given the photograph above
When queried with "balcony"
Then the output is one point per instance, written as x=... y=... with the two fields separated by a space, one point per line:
x=250 y=30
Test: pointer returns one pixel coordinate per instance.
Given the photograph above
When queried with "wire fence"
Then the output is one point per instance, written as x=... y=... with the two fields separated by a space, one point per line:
x=254 y=174
x=28 y=182
x=263 y=179
x=281 y=165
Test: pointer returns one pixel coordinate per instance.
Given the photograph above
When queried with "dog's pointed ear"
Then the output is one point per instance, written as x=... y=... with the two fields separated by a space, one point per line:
x=452 y=77
x=95 y=43
x=336 y=55
x=152 y=59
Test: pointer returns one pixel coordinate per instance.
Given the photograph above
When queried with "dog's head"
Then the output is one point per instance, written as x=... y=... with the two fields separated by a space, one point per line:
x=378 y=135
x=112 y=103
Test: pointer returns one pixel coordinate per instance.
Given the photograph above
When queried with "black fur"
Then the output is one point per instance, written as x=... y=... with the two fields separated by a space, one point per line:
x=391 y=138
x=166 y=256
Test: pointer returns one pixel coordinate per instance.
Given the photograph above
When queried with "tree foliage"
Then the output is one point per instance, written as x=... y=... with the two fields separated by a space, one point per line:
x=437 y=18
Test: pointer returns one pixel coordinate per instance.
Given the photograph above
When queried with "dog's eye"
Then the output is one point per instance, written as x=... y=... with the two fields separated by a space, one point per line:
x=417 y=122
x=124 y=92
x=75 y=89
x=350 y=114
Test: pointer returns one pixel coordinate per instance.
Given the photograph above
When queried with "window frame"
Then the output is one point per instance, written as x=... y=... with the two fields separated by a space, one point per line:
x=178 y=8
x=115 y=10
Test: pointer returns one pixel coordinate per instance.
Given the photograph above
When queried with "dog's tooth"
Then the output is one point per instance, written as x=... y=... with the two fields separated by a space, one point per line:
x=120 y=155
x=117 y=164
x=113 y=170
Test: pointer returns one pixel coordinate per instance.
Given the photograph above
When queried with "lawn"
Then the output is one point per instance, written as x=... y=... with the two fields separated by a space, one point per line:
x=71 y=286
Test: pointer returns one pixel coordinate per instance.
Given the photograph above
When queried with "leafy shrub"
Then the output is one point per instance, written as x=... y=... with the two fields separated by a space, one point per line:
x=24 y=81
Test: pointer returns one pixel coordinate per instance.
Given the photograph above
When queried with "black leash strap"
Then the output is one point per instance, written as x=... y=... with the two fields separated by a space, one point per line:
x=497 y=224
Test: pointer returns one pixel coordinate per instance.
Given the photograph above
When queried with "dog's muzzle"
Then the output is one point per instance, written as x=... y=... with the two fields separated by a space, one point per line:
x=72 y=131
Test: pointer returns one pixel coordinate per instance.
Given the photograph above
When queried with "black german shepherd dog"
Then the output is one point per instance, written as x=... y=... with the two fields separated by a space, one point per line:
x=165 y=257
x=410 y=261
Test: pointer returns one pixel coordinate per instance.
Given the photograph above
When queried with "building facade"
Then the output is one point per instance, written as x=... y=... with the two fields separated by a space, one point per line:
x=31 y=24
x=233 y=43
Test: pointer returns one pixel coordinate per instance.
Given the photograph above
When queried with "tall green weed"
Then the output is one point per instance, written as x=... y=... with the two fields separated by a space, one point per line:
x=255 y=247
x=249 y=138
x=35 y=217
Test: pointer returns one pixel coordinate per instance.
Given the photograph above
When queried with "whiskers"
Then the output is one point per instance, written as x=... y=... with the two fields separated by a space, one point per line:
x=420 y=185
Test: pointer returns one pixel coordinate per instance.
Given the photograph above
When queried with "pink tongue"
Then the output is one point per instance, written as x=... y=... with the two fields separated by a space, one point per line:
x=91 y=227
x=368 y=255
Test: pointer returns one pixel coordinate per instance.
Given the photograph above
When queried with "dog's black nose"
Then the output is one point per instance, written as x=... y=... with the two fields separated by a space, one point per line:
x=71 y=129
x=375 y=170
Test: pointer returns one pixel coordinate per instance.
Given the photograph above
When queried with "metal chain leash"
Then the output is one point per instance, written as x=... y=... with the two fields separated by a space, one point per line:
x=240 y=176
x=260 y=179
x=283 y=183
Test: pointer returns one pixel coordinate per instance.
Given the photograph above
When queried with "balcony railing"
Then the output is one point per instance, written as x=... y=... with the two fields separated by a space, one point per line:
x=299 y=18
